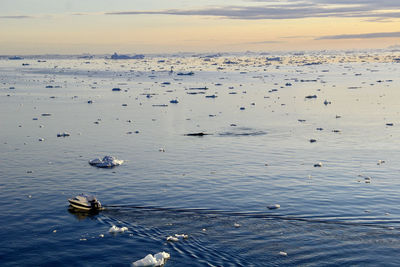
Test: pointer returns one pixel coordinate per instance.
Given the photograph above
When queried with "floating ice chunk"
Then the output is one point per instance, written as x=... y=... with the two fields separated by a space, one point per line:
x=311 y=96
x=172 y=239
x=211 y=96
x=115 y=229
x=158 y=259
x=162 y=257
x=236 y=225
x=274 y=206
x=106 y=162
x=197 y=134
x=326 y=102
x=64 y=134
x=183 y=236
x=282 y=253
x=149 y=260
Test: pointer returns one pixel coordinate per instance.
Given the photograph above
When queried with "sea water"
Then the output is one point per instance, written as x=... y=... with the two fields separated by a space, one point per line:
x=214 y=188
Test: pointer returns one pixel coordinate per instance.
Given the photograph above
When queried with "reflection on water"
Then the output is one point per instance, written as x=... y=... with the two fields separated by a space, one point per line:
x=83 y=214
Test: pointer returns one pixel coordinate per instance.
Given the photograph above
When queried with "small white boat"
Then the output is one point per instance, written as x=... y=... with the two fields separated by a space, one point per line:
x=84 y=202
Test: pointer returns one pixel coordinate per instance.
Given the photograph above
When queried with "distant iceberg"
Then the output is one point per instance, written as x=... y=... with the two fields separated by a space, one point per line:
x=116 y=56
x=15 y=58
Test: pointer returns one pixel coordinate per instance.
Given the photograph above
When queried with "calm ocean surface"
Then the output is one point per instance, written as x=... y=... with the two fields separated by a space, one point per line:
x=215 y=188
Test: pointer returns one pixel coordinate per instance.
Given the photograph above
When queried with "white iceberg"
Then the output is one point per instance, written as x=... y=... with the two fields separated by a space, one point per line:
x=274 y=206
x=158 y=259
x=106 y=162
x=172 y=239
x=183 y=236
x=116 y=229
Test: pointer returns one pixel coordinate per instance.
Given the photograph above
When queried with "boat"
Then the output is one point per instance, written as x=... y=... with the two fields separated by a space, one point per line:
x=85 y=202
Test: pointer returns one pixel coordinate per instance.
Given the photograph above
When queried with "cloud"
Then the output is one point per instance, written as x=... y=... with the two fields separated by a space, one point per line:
x=361 y=36
x=16 y=17
x=289 y=9
x=264 y=42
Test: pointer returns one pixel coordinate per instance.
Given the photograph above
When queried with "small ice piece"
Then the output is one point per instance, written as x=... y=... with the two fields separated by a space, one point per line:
x=311 y=96
x=158 y=259
x=282 y=253
x=172 y=239
x=236 y=225
x=183 y=236
x=317 y=165
x=116 y=229
x=64 y=134
x=101 y=235
x=149 y=260
x=274 y=206
x=211 y=96
x=106 y=162
x=161 y=257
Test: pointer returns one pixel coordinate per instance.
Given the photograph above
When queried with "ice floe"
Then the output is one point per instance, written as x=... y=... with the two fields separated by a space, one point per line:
x=106 y=162
x=158 y=259
x=64 y=134
x=274 y=206
x=115 y=229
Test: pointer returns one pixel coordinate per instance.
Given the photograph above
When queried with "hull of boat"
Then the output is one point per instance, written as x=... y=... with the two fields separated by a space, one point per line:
x=78 y=205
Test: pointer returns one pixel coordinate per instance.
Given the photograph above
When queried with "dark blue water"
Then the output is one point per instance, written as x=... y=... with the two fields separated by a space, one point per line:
x=215 y=188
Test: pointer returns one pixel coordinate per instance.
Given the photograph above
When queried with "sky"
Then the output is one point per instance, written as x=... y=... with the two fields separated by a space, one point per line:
x=169 y=26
